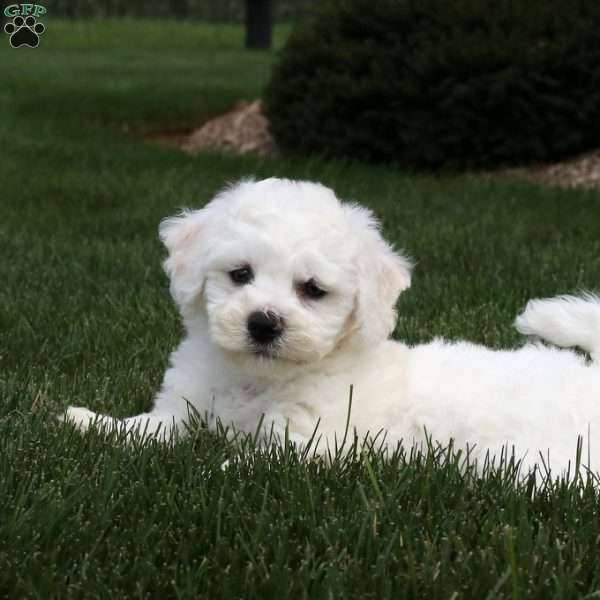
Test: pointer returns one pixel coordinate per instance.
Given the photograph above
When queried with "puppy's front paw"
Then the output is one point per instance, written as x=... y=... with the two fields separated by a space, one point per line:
x=79 y=416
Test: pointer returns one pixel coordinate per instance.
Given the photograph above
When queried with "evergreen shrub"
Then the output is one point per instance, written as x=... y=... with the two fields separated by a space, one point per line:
x=438 y=83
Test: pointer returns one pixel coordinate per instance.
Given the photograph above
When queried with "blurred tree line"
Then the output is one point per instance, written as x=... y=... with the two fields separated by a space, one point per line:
x=230 y=11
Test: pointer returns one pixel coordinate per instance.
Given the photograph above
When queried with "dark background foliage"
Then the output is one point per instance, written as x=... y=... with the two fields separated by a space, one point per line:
x=431 y=83
x=231 y=11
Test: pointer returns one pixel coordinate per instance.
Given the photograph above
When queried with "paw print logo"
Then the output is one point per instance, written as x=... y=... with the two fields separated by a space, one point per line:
x=24 y=32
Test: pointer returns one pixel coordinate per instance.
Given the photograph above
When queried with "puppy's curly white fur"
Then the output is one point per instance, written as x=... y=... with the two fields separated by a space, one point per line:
x=288 y=298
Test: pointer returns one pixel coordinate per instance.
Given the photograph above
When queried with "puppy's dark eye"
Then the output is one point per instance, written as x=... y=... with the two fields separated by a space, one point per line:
x=310 y=289
x=242 y=275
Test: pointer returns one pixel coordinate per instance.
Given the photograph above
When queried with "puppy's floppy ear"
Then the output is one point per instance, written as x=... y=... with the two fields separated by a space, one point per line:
x=382 y=275
x=182 y=236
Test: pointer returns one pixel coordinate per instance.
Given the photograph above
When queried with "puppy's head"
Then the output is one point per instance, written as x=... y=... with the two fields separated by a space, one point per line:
x=282 y=271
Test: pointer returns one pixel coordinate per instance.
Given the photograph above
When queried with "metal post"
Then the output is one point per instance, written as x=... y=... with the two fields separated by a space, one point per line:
x=258 y=24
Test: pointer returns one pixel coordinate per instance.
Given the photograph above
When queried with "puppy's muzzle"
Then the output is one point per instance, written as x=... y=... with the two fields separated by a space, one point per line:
x=264 y=327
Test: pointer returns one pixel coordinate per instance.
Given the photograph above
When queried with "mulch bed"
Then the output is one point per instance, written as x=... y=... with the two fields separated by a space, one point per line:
x=245 y=129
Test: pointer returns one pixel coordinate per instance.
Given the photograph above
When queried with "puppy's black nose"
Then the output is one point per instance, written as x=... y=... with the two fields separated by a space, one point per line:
x=264 y=327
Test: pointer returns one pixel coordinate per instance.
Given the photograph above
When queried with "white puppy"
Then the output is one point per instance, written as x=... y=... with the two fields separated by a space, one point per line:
x=288 y=298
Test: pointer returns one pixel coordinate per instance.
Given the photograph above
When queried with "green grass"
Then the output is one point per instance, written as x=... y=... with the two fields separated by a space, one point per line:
x=85 y=318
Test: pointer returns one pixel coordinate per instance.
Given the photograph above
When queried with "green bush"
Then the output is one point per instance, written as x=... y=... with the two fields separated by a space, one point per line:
x=432 y=83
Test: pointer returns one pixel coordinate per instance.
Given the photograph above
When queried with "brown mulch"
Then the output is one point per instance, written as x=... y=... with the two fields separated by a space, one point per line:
x=582 y=171
x=245 y=129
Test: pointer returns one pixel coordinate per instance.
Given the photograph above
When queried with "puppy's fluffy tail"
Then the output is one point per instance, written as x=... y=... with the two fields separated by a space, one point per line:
x=564 y=321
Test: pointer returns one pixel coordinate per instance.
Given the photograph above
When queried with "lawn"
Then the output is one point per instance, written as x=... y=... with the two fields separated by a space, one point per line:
x=85 y=318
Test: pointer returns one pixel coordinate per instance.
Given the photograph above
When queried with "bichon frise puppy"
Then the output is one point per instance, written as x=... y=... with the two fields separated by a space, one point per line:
x=288 y=298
